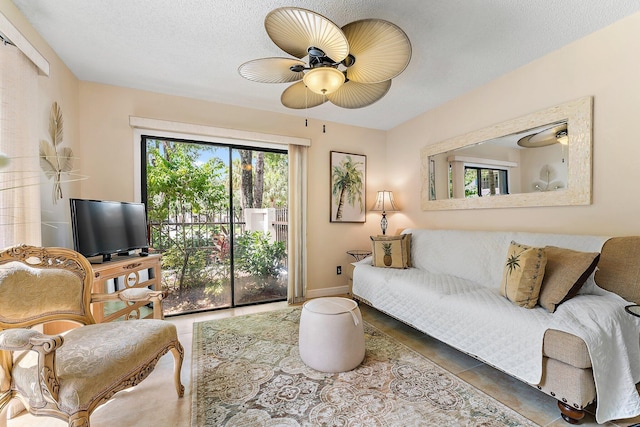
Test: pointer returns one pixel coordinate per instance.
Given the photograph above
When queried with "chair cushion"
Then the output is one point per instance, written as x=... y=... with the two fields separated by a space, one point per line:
x=95 y=358
x=21 y=295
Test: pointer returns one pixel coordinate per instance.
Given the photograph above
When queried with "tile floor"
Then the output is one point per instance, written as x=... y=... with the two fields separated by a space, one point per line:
x=154 y=401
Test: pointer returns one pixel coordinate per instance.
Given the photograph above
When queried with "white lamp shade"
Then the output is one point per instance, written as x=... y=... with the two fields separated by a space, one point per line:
x=385 y=202
x=324 y=80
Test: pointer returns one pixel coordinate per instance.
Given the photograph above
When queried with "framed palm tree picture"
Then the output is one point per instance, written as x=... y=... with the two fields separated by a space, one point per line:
x=348 y=187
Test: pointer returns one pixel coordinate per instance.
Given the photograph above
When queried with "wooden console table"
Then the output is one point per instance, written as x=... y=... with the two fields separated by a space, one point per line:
x=120 y=267
x=127 y=269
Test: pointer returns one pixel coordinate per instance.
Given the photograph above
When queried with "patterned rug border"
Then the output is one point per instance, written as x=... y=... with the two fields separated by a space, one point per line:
x=195 y=368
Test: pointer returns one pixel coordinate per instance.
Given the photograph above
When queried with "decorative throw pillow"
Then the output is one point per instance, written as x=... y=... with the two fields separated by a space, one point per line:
x=566 y=272
x=523 y=273
x=392 y=251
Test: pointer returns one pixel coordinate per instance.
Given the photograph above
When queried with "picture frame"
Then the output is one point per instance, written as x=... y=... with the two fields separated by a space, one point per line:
x=347 y=191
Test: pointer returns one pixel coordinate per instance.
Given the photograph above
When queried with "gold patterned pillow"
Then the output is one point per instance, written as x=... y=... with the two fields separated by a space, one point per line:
x=566 y=272
x=523 y=274
x=391 y=251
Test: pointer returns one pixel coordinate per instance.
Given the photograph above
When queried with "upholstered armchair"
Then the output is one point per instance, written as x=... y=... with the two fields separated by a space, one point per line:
x=69 y=375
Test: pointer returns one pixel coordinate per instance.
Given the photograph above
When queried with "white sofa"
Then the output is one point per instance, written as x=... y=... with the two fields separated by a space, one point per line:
x=587 y=350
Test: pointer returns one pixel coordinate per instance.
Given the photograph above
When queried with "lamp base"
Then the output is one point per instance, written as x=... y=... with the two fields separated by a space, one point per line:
x=384 y=223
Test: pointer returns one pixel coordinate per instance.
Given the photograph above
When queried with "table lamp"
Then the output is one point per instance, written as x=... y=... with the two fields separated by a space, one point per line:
x=384 y=203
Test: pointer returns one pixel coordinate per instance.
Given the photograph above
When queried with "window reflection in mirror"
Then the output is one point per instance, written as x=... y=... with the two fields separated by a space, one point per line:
x=535 y=160
x=556 y=174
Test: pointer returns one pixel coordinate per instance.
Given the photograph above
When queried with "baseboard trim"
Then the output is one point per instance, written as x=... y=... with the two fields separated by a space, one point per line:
x=327 y=292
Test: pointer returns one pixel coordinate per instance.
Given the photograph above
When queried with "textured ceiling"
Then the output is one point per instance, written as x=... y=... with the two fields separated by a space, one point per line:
x=193 y=48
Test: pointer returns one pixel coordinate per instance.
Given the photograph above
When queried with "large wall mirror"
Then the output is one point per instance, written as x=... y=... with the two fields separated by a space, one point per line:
x=541 y=159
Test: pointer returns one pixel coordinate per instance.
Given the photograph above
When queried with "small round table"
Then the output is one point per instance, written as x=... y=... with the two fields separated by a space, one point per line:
x=359 y=254
x=633 y=310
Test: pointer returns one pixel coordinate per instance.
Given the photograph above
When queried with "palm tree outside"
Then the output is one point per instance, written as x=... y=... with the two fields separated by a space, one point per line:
x=347 y=184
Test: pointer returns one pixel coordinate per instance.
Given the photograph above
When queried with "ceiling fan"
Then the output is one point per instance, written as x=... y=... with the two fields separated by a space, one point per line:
x=352 y=67
x=555 y=134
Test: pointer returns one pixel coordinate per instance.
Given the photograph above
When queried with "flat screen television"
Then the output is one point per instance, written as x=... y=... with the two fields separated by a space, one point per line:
x=105 y=228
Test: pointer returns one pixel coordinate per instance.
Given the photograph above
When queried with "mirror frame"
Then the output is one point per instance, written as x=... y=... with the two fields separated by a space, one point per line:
x=579 y=116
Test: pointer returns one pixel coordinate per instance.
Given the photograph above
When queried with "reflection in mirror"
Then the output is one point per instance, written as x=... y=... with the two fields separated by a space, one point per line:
x=523 y=162
x=542 y=159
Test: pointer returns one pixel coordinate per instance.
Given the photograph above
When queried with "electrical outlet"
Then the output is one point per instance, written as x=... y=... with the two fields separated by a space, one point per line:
x=339 y=269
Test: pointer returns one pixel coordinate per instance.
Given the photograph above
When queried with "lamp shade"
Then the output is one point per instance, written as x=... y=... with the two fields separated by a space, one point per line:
x=385 y=202
x=324 y=80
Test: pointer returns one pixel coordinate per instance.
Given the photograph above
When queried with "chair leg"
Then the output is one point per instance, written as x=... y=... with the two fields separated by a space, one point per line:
x=178 y=357
x=79 y=419
x=4 y=413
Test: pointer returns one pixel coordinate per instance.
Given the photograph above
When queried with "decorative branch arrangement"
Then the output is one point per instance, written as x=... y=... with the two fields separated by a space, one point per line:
x=55 y=162
x=547 y=180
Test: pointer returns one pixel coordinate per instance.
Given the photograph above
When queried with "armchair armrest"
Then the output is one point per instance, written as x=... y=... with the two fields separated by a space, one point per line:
x=20 y=339
x=135 y=295
x=131 y=294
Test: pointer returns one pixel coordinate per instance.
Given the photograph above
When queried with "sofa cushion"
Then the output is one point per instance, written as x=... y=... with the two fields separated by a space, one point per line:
x=565 y=273
x=523 y=273
x=391 y=251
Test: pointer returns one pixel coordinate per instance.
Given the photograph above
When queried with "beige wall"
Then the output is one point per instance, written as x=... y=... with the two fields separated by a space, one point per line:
x=96 y=127
x=107 y=155
x=602 y=65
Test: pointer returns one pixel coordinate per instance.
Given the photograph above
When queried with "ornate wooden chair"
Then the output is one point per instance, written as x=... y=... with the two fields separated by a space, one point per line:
x=69 y=375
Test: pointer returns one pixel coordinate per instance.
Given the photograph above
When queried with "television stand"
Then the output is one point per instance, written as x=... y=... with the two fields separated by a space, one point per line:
x=127 y=269
x=124 y=269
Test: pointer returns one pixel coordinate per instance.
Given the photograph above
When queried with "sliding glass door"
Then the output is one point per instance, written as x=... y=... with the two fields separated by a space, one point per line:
x=217 y=213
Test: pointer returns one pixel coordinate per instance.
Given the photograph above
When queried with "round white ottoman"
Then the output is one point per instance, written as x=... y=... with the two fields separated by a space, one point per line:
x=331 y=336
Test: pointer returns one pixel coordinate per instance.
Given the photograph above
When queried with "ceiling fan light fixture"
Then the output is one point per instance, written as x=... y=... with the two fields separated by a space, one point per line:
x=563 y=137
x=330 y=71
x=324 y=80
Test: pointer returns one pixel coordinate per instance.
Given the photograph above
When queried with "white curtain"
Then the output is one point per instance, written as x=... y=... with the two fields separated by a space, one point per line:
x=20 y=178
x=297 y=243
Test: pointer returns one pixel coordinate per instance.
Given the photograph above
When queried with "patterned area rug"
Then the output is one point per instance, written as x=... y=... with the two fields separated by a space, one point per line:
x=247 y=372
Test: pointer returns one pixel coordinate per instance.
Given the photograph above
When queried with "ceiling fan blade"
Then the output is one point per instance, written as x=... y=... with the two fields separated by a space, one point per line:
x=294 y=30
x=543 y=138
x=271 y=70
x=382 y=50
x=357 y=95
x=299 y=97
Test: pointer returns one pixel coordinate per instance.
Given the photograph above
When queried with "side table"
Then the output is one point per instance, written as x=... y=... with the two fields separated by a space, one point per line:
x=359 y=254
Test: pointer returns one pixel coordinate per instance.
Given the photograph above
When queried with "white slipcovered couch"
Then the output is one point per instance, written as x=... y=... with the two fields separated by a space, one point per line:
x=587 y=350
